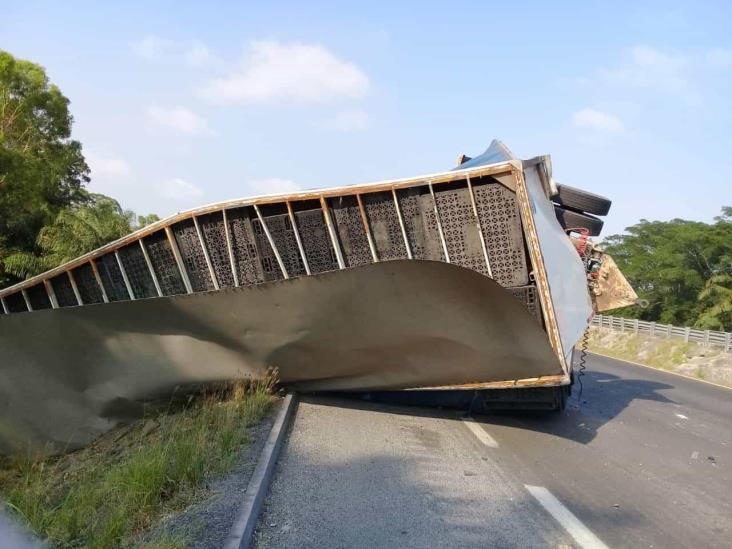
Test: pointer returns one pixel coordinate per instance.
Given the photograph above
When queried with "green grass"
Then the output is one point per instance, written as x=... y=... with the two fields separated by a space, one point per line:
x=109 y=493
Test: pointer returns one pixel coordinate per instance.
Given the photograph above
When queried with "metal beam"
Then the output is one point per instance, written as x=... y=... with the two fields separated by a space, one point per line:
x=205 y=254
x=271 y=242
x=439 y=224
x=75 y=287
x=480 y=228
x=26 y=299
x=401 y=224
x=365 y=221
x=150 y=268
x=293 y=222
x=124 y=276
x=227 y=233
x=178 y=260
x=105 y=297
x=332 y=233
x=51 y=294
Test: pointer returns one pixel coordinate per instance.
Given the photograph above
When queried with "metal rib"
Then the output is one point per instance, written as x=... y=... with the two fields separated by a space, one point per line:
x=367 y=228
x=439 y=224
x=227 y=233
x=105 y=297
x=51 y=294
x=74 y=287
x=179 y=260
x=124 y=276
x=27 y=300
x=271 y=242
x=480 y=228
x=5 y=306
x=205 y=254
x=297 y=237
x=401 y=224
x=150 y=268
x=331 y=232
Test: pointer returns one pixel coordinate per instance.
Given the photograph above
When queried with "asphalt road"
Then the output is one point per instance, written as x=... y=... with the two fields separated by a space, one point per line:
x=644 y=460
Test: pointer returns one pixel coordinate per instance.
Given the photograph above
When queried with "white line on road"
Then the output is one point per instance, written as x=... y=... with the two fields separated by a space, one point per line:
x=479 y=432
x=581 y=534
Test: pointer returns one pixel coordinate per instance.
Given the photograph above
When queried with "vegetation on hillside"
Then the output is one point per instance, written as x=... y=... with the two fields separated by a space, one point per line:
x=43 y=174
x=112 y=492
x=683 y=268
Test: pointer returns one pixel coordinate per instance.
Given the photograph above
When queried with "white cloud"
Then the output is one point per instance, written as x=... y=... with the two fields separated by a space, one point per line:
x=178 y=188
x=651 y=68
x=348 y=121
x=107 y=167
x=178 y=118
x=720 y=58
x=198 y=55
x=273 y=71
x=191 y=53
x=597 y=120
x=152 y=47
x=272 y=185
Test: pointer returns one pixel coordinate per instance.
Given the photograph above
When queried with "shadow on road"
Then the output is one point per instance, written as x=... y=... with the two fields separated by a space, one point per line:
x=604 y=396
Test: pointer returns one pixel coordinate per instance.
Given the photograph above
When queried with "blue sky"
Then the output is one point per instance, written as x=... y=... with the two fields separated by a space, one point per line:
x=178 y=104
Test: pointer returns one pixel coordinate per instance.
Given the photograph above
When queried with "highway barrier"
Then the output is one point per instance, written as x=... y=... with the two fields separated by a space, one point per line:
x=633 y=325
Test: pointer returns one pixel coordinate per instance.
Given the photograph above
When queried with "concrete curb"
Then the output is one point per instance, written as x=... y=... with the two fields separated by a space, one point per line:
x=240 y=535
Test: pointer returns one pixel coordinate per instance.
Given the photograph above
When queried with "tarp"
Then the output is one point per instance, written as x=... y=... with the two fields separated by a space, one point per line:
x=68 y=375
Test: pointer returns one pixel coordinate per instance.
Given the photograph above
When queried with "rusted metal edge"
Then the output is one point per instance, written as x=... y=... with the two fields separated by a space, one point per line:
x=538 y=268
x=542 y=381
x=501 y=168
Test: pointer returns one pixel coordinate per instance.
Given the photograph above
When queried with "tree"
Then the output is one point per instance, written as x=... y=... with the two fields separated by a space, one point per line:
x=75 y=231
x=42 y=170
x=679 y=266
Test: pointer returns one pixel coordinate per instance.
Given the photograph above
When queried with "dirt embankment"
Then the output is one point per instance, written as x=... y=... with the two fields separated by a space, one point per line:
x=673 y=354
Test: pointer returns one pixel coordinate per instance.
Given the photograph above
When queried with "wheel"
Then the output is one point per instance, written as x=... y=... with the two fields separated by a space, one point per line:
x=577 y=199
x=570 y=219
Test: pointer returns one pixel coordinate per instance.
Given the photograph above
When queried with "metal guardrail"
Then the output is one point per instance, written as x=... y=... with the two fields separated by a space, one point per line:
x=633 y=325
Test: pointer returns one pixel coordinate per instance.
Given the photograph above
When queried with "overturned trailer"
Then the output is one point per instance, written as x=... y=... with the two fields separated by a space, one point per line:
x=321 y=285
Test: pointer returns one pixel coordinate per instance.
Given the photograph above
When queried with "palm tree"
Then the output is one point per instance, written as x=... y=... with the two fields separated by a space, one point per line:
x=75 y=231
x=716 y=303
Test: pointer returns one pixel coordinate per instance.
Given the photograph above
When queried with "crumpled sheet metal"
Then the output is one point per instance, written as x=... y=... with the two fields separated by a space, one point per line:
x=612 y=290
x=68 y=375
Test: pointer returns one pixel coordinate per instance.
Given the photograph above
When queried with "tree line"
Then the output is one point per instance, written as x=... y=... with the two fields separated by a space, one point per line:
x=682 y=268
x=47 y=215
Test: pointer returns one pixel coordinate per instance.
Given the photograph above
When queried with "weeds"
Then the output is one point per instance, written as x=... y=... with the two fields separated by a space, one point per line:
x=106 y=496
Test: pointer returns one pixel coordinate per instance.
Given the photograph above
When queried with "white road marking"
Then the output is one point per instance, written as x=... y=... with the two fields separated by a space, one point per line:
x=480 y=433
x=695 y=455
x=682 y=416
x=579 y=532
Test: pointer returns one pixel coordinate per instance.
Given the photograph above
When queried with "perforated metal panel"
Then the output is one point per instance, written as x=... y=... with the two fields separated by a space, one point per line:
x=316 y=241
x=38 y=297
x=501 y=223
x=284 y=238
x=112 y=278
x=137 y=271
x=270 y=267
x=528 y=295
x=163 y=261
x=249 y=268
x=192 y=253
x=460 y=229
x=350 y=230
x=87 y=284
x=64 y=292
x=385 y=229
x=212 y=227
x=420 y=223
x=16 y=303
